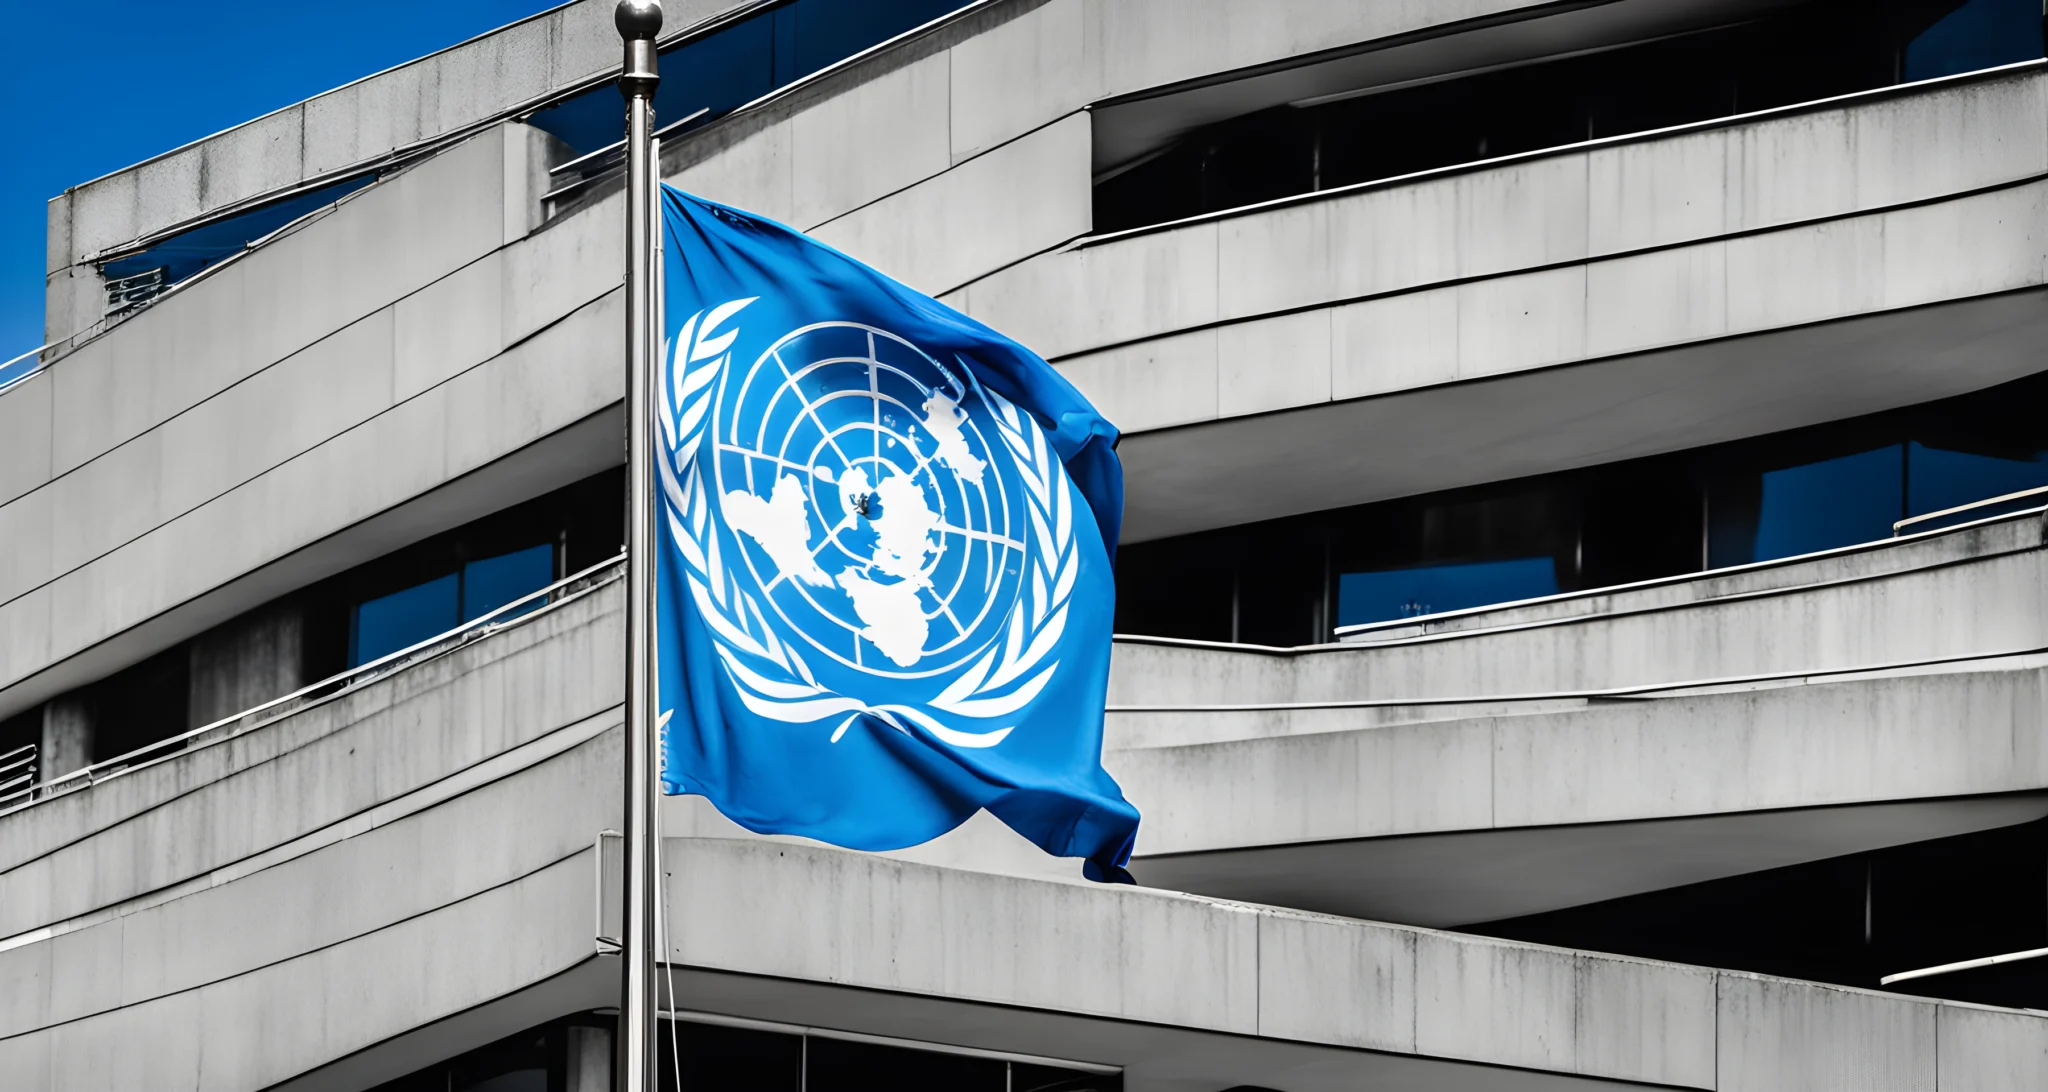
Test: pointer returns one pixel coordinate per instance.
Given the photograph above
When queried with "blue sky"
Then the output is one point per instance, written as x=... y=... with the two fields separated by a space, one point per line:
x=126 y=80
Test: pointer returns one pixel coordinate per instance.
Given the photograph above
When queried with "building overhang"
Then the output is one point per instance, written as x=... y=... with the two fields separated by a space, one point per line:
x=1266 y=465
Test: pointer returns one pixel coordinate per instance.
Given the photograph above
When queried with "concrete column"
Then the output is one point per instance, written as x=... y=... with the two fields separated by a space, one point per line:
x=246 y=662
x=590 y=1059
x=67 y=737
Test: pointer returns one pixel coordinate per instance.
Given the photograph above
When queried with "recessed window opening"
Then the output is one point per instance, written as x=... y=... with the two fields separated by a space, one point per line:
x=1293 y=581
x=742 y=62
x=1809 y=52
x=566 y=1055
x=403 y=618
x=137 y=278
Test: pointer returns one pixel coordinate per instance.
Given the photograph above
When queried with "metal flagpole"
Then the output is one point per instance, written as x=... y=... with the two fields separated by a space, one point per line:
x=639 y=21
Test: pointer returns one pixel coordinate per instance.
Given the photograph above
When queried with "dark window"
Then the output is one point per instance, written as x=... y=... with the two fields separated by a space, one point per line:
x=1978 y=34
x=837 y=1066
x=1848 y=920
x=723 y=1059
x=141 y=705
x=435 y=585
x=180 y=256
x=743 y=62
x=1292 y=581
x=1812 y=51
x=716 y=1058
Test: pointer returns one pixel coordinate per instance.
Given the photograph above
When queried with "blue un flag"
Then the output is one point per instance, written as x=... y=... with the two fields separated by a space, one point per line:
x=885 y=578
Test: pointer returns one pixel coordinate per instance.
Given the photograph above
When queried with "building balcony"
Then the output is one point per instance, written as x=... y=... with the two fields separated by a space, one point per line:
x=1558 y=308
x=431 y=890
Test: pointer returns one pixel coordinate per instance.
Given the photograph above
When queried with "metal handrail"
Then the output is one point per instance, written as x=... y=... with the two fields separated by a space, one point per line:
x=1963 y=965
x=570 y=587
x=1637 y=585
x=1635 y=692
x=7 y=385
x=1985 y=503
x=13 y=784
x=615 y=152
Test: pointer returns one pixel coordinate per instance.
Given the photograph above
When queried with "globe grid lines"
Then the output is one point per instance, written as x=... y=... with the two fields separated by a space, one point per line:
x=876 y=462
x=988 y=501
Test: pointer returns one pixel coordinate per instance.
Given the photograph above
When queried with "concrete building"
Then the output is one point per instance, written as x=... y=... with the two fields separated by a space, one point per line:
x=1583 y=573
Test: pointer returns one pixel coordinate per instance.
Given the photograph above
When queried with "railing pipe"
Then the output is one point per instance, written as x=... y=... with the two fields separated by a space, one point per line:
x=558 y=592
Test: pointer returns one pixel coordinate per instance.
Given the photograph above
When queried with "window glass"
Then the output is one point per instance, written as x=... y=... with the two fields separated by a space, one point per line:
x=743 y=62
x=1977 y=34
x=386 y=624
x=836 y=1066
x=496 y=581
x=185 y=254
x=1937 y=478
x=1833 y=502
x=1796 y=52
x=1432 y=589
x=723 y=1059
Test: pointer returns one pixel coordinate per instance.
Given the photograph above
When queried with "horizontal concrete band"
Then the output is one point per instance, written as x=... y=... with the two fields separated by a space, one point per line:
x=754 y=908
x=1609 y=201
x=1206 y=781
x=1016 y=79
x=351 y=125
x=1308 y=775
x=813 y=915
x=1960 y=593
x=1595 y=304
x=1452 y=816
x=1120 y=964
x=232 y=800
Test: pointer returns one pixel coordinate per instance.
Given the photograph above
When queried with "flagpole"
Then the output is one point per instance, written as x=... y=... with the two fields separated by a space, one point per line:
x=638 y=22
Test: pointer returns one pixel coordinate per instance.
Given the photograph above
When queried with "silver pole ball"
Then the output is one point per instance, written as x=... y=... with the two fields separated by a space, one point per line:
x=638 y=20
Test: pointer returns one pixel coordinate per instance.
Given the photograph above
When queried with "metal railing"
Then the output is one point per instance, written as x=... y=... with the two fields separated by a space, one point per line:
x=1987 y=502
x=1358 y=629
x=519 y=610
x=7 y=382
x=17 y=774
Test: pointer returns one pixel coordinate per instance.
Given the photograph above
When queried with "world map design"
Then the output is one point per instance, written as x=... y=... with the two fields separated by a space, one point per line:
x=846 y=459
x=846 y=494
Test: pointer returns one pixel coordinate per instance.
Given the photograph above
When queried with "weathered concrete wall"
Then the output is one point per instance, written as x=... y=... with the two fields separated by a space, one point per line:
x=1371 y=312
x=249 y=661
x=167 y=823
x=1453 y=816
x=1040 y=67
x=67 y=738
x=353 y=124
x=304 y=899
x=419 y=333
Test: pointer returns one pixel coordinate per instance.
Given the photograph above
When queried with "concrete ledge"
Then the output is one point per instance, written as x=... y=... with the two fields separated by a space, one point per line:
x=1181 y=990
x=1962 y=593
x=1483 y=817
x=1190 y=993
x=208 y=808
x=354 y=124
x=1797 y=267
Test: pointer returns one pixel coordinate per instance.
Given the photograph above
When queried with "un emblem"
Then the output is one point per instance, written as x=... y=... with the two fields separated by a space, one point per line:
x=865 y=529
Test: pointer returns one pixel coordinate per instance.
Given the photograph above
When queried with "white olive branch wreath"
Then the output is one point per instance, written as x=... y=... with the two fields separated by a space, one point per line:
x=769 y=674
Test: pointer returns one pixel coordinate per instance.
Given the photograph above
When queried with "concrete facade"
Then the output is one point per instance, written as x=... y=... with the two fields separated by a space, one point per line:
x=427 y=780
x=378 y=877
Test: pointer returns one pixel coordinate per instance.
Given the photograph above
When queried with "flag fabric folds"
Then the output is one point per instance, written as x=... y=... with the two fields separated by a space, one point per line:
x=884 y=586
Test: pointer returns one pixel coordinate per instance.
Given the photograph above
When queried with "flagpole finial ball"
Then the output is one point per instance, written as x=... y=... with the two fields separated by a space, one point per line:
x=638 y=20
